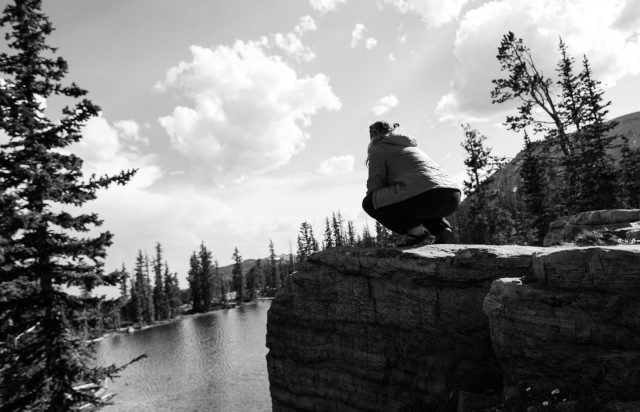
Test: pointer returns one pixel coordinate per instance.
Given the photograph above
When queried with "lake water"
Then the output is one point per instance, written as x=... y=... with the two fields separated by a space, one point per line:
x=211 y=362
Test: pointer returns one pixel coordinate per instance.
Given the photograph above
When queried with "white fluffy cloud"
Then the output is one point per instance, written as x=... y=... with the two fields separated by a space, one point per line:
x=606 y=32
x=291 y=42
x=109 y=149
x=434 y=12
x=384 y=104
x=371 y=43
x=249 y=109
x=324 y=6
x=336 y=165
x=356 y=34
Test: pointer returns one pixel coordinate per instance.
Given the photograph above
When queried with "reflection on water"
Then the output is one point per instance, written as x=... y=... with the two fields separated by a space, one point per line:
x=212 y=362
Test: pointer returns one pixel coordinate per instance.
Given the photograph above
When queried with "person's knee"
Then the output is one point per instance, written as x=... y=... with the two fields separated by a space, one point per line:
x=367 y=204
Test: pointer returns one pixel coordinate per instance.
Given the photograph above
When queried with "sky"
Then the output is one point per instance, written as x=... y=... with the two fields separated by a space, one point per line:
x=247 y=117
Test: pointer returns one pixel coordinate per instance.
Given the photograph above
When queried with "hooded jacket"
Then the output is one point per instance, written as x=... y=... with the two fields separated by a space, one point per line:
x=399 y=170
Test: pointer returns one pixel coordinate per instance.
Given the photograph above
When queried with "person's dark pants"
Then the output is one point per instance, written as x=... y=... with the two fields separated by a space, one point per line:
x=428 y=208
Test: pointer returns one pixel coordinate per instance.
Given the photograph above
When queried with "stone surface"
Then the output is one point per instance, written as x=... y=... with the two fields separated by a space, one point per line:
x=387 y=329
x=413 y=329
x=624 y=223
x=575 y=320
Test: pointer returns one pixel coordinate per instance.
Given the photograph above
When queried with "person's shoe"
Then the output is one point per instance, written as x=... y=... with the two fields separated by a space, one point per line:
x=444 y=237
x=412 y=240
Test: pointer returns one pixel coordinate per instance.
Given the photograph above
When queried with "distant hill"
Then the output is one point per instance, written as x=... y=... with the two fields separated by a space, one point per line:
x=227 y=271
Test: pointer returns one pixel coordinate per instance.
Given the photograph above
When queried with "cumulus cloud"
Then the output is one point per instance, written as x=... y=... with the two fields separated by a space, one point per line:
x=336 y=165
x=601 y=31
x=384 y=104
x=324 y=6
x=433 y=12
x=109 y=149
x=249 y=112
x=291 y=43
x=371 y=43
x=356 y=34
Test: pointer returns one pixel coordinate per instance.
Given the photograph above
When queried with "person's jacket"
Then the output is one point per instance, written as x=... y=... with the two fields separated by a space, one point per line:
x=399 y=170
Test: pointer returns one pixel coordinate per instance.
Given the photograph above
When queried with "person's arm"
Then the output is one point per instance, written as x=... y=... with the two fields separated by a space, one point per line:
x=377 y=171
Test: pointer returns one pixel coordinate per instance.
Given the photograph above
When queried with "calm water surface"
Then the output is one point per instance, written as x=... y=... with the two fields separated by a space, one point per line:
x=212 y=362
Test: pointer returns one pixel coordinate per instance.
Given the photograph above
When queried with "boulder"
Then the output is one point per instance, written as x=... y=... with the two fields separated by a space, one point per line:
x=574 y=322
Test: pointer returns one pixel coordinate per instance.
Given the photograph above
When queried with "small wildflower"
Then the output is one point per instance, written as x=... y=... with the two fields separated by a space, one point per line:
x=545 y=403
x=555 y=391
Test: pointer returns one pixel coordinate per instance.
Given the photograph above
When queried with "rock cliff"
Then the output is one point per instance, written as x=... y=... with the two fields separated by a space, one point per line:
x=391 y=330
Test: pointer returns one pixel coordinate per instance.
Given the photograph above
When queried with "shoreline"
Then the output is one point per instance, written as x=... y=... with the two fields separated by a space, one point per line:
x=125 y=330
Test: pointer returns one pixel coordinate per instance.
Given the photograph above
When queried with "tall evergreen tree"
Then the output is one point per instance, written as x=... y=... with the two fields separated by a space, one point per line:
x=149 y=308
x=629 y=177
x=171 y=292
x=351 y=234
x=205 y=268
x=159 y=295
x=367 y=239
x=486 y=221
x=194 y=283
x=534 y=195
x=272 y=275
x=239 y=282
x=597 y=173
x=337 y=229
x=42 y=356
x=328 y=235
x=307 y=244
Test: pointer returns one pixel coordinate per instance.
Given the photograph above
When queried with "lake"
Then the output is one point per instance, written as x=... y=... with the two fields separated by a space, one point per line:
x=210 y=362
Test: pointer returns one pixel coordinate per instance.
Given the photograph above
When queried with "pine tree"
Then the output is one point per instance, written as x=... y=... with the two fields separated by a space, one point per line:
x=629 y=177
x=337 y=229
x=41 y=352
x=159 y=296
x=328 y=235
x=272 y=278
x=533 y=193
x=307 y=244
x=194 y=283
x=367 y=239
x=123 y=277
x=237 y=275
x=205 y=268
x=148 y=308
x=597 y=172
x=486 y=221
x=171 y=292
x=351 y=234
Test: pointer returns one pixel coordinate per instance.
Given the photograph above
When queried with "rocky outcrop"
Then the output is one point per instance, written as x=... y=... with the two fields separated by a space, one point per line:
x=386 y=329
x=622 y=223
x=574 y=321
x=391 y=330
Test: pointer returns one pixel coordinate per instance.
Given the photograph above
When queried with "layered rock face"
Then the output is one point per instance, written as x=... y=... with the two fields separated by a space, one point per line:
x=574 y=322
x=404 y=330
x=386 y=329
